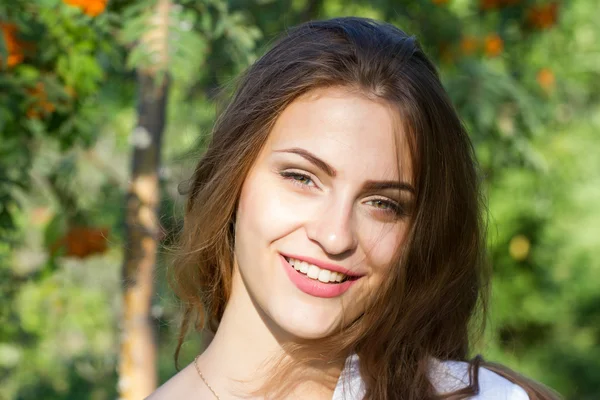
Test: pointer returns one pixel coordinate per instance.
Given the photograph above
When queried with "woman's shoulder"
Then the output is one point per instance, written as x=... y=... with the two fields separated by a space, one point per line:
x=185 y=384
x=446 y=377
x=449 y=376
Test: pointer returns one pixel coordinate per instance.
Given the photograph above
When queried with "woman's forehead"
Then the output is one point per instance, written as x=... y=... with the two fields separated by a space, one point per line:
x=347 y=129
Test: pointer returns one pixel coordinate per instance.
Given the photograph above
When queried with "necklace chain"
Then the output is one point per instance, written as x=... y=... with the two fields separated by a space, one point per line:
x=204 y=379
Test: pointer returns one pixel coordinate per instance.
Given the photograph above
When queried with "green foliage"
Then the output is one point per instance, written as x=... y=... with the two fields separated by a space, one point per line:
x=50 y=94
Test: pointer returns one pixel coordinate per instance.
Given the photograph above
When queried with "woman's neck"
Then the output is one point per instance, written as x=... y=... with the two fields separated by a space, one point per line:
x=239 y=358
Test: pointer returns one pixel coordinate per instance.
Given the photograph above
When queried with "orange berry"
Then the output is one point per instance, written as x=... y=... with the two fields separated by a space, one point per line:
x=95 y=8
x=489 y=4
x=32 y=114
x=546 y=79
x=40 y=106
x=493 y=45
x=47 y=106
x=543 y=16
x=82 y=242
x=14 y=46
x=14 y=59
x=92 y=8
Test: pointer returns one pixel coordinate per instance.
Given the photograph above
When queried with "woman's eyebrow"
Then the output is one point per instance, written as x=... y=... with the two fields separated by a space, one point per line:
x=319 y=163
x=374 y=186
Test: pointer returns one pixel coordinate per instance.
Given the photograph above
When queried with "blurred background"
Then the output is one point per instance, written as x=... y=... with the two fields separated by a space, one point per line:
x=88 y=211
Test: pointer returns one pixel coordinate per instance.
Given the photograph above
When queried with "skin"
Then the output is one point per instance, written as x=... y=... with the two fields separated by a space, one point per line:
x=292 y=205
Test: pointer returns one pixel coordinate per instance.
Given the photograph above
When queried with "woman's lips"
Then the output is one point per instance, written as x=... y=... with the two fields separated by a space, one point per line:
x=314 y=286
x=323 y=265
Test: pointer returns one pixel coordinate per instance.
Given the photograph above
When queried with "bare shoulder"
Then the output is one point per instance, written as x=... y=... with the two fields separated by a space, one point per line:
x=183 y=385
x=448 y=376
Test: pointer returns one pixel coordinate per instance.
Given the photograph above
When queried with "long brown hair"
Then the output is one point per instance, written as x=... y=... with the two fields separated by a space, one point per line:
x=434 y=304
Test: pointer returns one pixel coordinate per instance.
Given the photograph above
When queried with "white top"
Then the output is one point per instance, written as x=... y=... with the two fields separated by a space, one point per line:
x=446 y=376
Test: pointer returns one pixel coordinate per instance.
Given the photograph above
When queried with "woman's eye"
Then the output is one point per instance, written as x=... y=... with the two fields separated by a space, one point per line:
x=387 y=206
x=380 y=204
x=297 y=178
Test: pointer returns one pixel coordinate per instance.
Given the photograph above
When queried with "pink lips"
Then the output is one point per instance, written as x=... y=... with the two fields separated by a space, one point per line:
x=314 y=287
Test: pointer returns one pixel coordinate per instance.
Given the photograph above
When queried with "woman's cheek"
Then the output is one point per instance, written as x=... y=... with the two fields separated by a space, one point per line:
x=380 y=242
x=275 y=205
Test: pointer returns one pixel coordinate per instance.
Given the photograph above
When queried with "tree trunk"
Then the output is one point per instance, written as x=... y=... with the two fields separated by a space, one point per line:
x=137 y=369
x=137 y=364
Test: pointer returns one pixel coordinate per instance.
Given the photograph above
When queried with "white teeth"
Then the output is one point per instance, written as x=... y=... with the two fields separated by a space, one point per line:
x=324 y=275
x=304 y=267
x=333 y=276
x=314 y=272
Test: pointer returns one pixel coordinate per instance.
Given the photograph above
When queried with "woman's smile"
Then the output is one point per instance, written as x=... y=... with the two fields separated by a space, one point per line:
x=318 y=278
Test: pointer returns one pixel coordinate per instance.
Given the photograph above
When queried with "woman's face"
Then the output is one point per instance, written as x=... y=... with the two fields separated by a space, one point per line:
x=322 y=211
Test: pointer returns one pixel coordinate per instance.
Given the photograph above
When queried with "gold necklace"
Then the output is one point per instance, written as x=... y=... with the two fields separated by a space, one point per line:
x=203 y=379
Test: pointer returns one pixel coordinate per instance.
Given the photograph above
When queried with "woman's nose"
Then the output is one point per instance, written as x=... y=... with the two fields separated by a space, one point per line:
x=333 y=228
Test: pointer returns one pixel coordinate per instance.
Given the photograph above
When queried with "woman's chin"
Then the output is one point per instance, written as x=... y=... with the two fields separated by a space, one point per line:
x=308 y=333
x=306 y=327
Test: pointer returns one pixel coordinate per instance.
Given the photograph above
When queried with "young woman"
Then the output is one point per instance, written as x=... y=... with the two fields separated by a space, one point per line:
x=333 y=241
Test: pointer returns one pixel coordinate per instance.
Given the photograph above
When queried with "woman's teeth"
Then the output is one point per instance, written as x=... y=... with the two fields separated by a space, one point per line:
x=316 y=273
